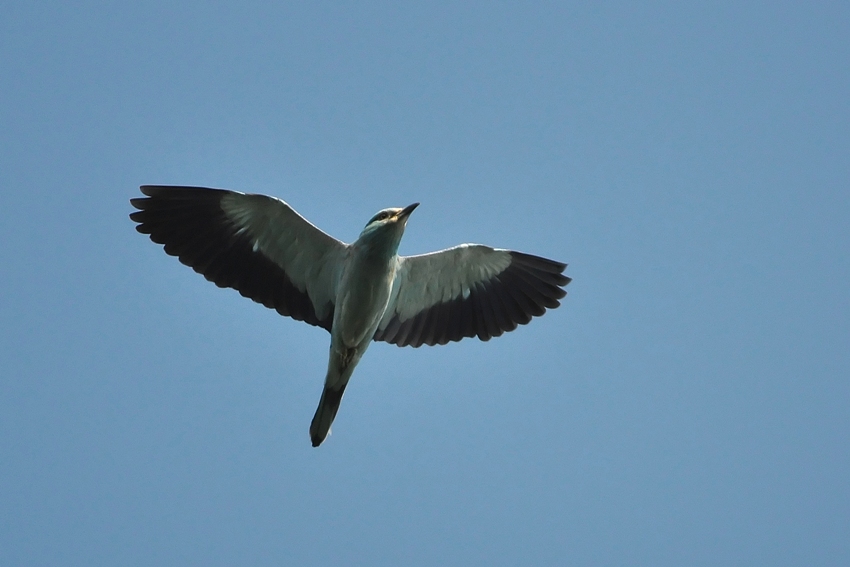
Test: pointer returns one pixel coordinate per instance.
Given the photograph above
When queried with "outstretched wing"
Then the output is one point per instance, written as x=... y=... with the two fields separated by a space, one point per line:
x=255 y=244
x=466 y=291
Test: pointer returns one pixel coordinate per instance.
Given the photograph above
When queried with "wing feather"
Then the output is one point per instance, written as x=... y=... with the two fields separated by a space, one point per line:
x=467 y=291
x=255 y=244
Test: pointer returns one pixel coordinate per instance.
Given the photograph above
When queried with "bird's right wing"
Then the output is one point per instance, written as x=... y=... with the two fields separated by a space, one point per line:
x=466 y=291
x=255 y=244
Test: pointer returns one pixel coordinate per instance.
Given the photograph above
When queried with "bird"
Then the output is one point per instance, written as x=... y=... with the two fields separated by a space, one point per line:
x=360 y=292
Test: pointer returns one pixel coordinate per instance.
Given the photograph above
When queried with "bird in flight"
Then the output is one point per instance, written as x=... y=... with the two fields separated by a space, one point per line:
x=359 y=292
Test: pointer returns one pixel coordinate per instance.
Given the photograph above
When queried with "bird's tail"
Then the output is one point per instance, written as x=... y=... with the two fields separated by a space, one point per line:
x=325 y=414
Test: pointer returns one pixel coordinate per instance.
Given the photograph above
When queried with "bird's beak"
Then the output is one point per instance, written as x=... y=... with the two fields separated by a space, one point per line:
x=405 y=212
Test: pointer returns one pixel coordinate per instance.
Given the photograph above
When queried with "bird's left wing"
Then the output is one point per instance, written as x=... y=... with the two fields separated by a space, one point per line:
x=255 y=244
x=466 y=291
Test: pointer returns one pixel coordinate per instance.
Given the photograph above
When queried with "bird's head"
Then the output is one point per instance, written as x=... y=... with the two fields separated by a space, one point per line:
x=387 y=226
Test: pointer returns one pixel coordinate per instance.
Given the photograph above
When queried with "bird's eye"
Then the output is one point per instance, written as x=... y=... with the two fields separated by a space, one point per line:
x=383 y=215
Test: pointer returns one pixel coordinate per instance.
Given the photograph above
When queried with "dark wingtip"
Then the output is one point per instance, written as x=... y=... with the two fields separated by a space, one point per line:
x=150 y=190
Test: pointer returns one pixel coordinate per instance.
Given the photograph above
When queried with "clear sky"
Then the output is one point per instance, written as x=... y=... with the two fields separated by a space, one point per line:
x=688 y=404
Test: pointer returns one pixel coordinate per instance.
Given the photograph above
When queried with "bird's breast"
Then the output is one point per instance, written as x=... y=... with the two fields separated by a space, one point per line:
x=362 y=299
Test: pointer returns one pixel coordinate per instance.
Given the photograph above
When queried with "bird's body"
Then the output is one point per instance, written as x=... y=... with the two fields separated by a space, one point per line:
x=364 y=291
x=359 y=292
x=362 y=297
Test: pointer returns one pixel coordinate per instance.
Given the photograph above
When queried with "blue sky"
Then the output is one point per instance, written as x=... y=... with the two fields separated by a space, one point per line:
x=687 y=404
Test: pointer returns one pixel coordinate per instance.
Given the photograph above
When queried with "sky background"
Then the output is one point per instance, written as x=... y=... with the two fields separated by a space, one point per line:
x=689 y=403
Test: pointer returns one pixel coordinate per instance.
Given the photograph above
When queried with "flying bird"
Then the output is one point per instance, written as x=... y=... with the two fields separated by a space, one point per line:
x=360 y=292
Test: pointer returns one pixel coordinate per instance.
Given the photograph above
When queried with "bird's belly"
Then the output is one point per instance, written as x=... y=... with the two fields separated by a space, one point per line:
x=360 y=311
